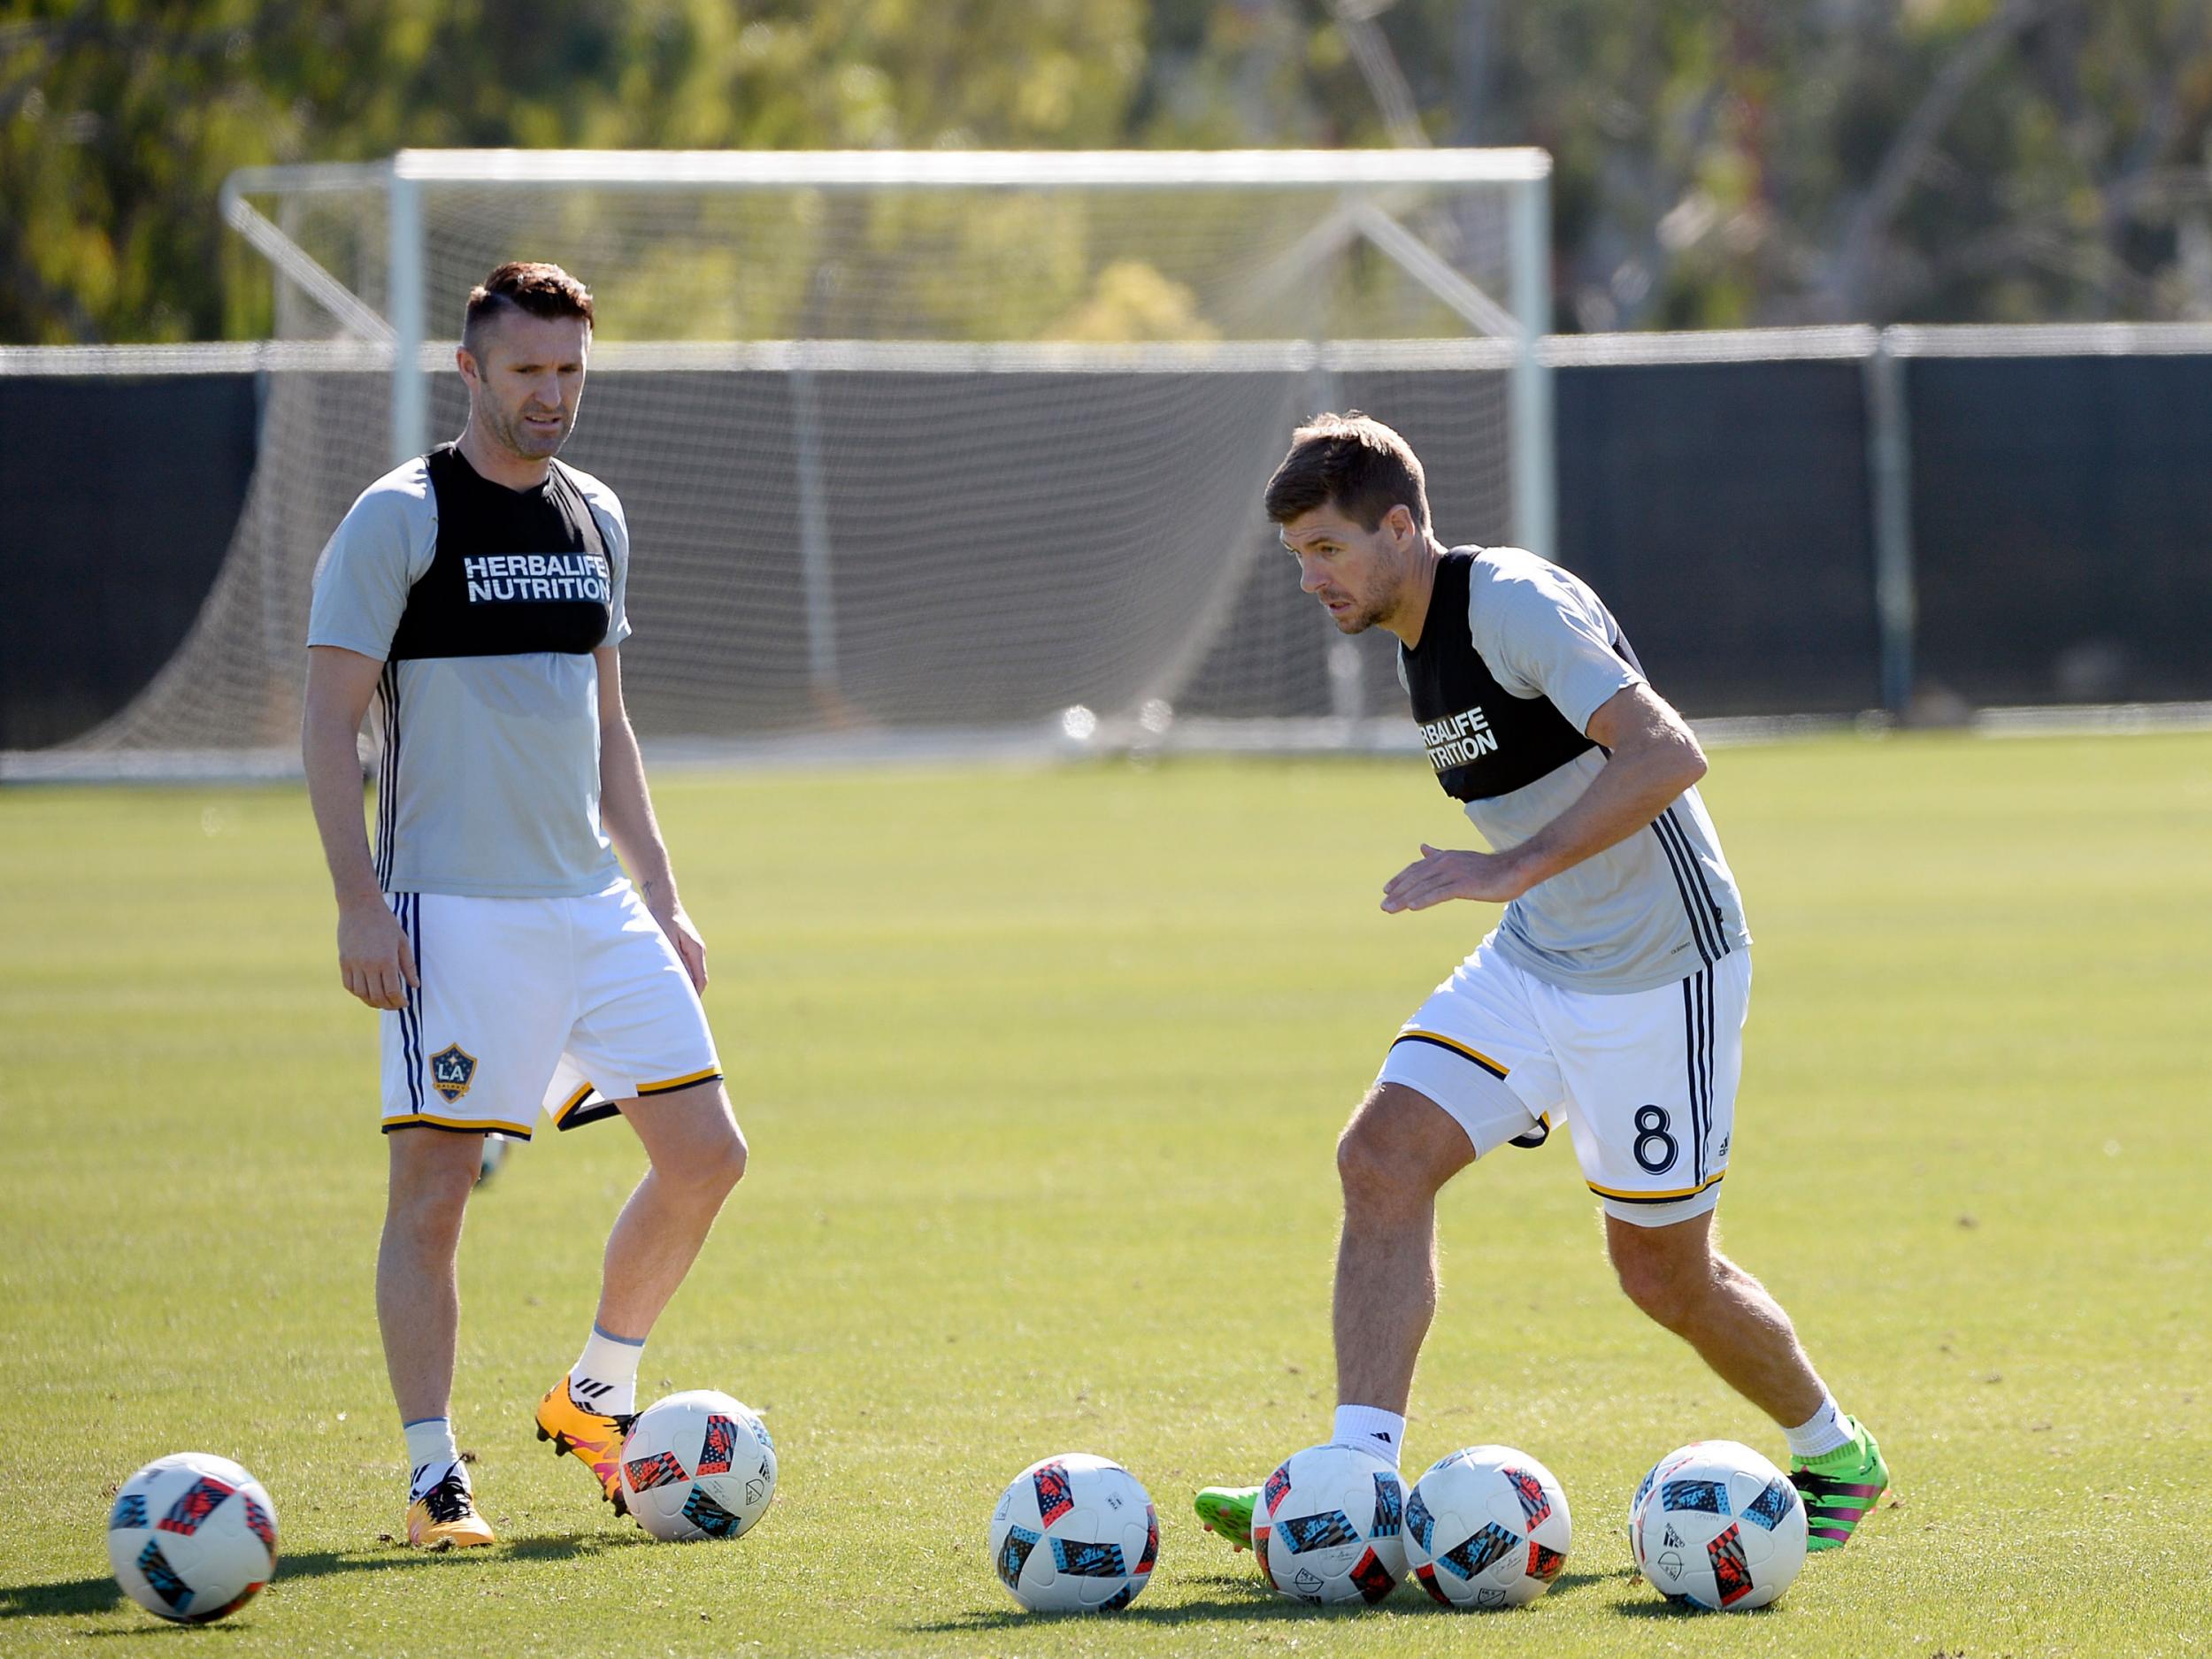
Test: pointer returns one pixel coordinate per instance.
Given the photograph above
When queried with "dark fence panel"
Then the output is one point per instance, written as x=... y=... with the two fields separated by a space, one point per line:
x=1721 y=510
x=117 y=498
x=2062 y=527
x=2061 y=522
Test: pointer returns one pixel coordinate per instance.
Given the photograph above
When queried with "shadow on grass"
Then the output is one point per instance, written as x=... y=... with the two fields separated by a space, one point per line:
x=1240 y=1600
x=1662 y=1607
x=100 y=1594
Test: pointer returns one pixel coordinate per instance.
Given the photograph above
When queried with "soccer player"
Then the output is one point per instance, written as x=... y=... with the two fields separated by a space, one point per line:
x=1612 y=993
x=477 y=593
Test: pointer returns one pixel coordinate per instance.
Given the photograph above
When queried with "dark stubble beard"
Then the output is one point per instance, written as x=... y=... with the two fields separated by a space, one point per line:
x=1362 y=619
x=1371 y=615
x=510 y=434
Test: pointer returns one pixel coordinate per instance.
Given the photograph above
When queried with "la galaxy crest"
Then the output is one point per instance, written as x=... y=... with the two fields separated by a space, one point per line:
x=452 y=1069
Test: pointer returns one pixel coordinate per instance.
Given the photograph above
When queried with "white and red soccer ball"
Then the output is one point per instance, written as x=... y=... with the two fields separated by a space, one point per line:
x=1329 y=1525
x=192 y=1537
x=698 y=1464
x=1486 y=1527
x=1074 y=1533
x=1717 y=1526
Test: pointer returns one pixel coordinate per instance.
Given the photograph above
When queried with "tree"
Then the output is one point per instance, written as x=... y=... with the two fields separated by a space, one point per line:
x=1721 y=165
x=1717 y=163
x=119 y=121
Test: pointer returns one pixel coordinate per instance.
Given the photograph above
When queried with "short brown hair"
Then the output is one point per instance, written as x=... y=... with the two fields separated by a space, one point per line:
x=542 y=290
x=1353 y=463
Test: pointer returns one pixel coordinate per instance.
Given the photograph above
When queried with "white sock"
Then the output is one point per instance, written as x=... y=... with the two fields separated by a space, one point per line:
x=430 y=1454
x=604 y=1379
x=1377 y=1433
x=1825 y=1431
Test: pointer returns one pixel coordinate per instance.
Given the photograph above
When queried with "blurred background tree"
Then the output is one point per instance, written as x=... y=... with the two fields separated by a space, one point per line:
x=1731 y=163
x=1767 y=161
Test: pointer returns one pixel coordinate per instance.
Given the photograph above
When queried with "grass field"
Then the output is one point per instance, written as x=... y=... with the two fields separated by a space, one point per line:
x=1042 y=1073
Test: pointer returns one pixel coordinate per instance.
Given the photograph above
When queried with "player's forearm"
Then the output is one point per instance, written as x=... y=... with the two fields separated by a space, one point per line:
x=1633 y=788
x=333 y=763
x=625 y=809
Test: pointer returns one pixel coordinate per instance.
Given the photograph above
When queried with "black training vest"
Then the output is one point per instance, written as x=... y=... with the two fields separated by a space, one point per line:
x=1483 y=741
x=514 y=571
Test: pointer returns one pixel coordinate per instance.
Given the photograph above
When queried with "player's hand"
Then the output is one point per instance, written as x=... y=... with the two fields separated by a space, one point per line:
x=373 y=957
x=1438 y=875
x=690 y=947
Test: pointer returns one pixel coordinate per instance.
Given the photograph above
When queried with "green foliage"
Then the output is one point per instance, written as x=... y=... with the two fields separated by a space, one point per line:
x=1726 y=164
x=119 y=121
x=1946 y=159
x=1132 y=301
x=1042 y=1072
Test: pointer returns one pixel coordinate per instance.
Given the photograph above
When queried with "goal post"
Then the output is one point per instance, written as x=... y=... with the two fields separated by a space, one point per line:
x=913 y=442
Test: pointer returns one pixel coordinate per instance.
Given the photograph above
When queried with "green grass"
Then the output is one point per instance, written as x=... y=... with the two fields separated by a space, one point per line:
x=1042 y=1072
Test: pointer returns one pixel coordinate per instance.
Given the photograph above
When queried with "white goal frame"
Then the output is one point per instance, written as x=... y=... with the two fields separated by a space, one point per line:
x=1520 y=324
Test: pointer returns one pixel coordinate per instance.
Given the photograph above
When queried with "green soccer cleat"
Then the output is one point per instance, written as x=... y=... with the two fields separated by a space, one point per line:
x=1227 y=1511
x=1839 y=1488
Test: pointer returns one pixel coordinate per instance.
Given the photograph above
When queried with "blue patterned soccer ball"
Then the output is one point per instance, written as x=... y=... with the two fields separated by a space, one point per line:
x=1486 y=1527
x=1650 y=1482
x=1330 y=1526
x=192 y=1537
x=1074 y=1534
x=1716 y=1526
x=698 y=1464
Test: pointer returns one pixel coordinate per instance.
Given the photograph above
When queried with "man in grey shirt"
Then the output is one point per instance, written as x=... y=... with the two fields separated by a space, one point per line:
x=477 y=594
x=1613 y=990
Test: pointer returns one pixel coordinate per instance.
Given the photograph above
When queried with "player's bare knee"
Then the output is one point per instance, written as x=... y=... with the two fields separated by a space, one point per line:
x=1376 y=1176
x=431 y=1179
x=1397 y=1152
x=427 y=1212
x=710 y=1167
x=729 y=1160
x=1356 y=1169
x=1655 y=1290
x=1670 y=1290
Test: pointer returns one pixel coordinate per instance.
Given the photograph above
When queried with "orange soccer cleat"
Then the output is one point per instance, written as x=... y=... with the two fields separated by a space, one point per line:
x=445 y=1516
x=594 y=1439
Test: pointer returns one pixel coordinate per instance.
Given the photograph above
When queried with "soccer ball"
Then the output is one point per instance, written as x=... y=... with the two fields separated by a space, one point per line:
x=1329 y=1526
x=698 y=1464
x=1486 y=1527
x=1717 y=1526
x=1074 y=1533
x=192 y=1537
x=1650 y=1482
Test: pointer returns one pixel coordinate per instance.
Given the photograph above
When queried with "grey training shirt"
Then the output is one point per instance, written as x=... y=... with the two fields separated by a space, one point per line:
x=1646 y=913
x=489 y=784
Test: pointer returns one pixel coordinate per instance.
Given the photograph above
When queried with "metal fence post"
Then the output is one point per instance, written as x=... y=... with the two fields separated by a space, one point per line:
x=1535 y=505
x=410 y=394
x=1889 y=476
x=814 y=534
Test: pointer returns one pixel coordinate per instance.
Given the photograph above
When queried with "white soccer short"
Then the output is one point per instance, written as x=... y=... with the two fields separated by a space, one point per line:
x=567 y=1004
x=1647 y=1079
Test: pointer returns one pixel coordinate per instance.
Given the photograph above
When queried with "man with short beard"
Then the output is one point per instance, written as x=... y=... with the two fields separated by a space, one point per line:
x=1613 y=990
x=477 y=594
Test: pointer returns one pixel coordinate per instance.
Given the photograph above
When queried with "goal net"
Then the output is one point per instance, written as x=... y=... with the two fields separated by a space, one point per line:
x=912 y=446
